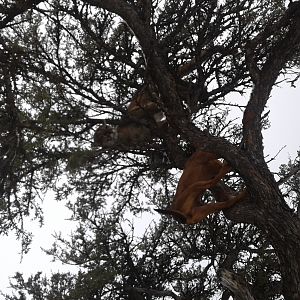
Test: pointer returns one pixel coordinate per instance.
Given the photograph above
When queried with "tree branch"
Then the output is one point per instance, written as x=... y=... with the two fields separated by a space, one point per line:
x=156 y=66
x=16 y=9
x=265 y=78
x=236 y=285
x=178 y=119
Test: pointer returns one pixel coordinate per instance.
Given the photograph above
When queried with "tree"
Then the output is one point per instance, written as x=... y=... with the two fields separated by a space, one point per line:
x=69 y=66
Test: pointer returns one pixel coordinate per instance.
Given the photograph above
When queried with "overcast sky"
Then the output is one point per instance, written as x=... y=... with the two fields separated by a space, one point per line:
x=285 y=126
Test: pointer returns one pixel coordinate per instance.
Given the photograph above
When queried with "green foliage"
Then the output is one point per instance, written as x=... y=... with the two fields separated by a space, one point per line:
x=67 y=67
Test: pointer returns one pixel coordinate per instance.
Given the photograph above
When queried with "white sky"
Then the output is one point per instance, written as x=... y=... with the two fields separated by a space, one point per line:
x=56 y=216
x=285 y=125
x=284 y=108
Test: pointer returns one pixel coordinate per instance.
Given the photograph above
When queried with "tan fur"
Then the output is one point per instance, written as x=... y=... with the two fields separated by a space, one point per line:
x=142 y=103
x=142 y=106
x=131 y=134
x=202 y=171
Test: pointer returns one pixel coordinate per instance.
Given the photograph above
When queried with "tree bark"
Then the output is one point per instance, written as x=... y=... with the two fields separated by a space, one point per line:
x=236 y=285
x=283 y=230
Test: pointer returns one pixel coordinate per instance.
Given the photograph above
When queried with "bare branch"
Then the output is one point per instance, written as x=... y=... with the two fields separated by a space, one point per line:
x=274 y=157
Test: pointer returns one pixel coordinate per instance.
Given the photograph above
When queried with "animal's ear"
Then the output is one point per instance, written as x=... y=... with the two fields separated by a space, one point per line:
x=178 y=216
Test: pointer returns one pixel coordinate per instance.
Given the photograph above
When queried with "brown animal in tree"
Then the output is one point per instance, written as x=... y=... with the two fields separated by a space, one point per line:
x=125 y=135
x=144 y=105
x=202 y=171
x=132 y=131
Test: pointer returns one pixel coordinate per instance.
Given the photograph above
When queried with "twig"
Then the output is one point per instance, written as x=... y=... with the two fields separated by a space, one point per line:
x=274 y=157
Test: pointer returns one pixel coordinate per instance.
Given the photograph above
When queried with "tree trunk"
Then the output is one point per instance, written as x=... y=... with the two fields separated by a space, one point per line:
x=283 y=230
x=266 y=208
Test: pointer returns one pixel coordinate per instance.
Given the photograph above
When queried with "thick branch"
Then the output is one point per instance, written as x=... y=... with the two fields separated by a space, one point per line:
x=265 y=78
x=156 y=65
x=242 y=212
x=236 y=285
